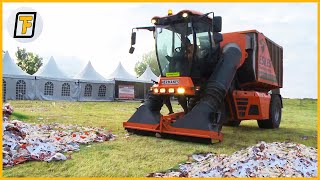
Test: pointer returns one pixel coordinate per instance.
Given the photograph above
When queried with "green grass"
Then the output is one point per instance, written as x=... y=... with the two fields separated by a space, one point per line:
x=140 y=155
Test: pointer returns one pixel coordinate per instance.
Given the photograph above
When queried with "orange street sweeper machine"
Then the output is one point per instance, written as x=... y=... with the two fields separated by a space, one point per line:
x=218 y=79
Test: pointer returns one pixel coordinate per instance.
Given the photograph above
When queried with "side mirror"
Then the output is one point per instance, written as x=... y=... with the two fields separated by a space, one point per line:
x=217 y=23
x=217 y=37
x=133 y=38
x=131 y=49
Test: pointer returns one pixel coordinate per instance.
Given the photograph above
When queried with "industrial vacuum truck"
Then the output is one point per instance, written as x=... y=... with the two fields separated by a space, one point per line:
x=218 y=79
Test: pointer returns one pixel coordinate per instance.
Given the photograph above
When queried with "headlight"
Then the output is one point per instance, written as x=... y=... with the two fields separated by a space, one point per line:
x=153 y=21
x=184 y=14
x=162 y=90
x=156 y=90
x=181 y=90
x=171 y=90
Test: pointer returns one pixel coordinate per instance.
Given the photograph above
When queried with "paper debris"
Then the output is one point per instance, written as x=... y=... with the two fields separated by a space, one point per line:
x=262 y=160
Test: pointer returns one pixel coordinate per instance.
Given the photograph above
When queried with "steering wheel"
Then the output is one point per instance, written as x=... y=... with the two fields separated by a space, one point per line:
x=177 y=49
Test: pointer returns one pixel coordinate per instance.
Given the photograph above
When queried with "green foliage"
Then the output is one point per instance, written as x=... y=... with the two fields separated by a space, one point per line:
x=147 y=59
x=136 y=156
x=28 y=61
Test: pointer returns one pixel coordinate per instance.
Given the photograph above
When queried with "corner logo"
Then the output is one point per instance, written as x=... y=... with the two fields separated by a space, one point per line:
x=25 y=24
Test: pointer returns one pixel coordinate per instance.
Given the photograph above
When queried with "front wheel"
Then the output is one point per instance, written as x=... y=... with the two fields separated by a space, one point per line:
x=274 y=114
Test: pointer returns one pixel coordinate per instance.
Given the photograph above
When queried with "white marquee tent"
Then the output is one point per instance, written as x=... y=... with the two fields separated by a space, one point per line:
x=53 y=84
x=120 y=74
x=148 y=76
x=124 y=82
x=94 y=86
x=16 y=84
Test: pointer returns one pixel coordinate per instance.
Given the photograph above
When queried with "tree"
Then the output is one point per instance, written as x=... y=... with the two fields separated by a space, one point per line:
x=150 y=59
x=28 y=61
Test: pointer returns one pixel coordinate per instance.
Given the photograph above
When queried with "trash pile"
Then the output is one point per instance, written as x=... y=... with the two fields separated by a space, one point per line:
x=23 y=141
x=262 y=160
x=7 y=110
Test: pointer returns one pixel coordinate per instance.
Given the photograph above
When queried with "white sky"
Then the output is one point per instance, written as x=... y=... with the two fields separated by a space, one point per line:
x=75 y=33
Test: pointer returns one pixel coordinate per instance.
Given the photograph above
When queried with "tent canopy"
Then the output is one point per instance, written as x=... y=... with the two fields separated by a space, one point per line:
x=122 y=75
x=148 y=75
x=90 y=74
x=50 y=70
x=11 y=68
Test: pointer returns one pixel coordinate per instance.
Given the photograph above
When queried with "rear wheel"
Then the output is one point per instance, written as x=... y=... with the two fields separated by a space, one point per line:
x=274 y=114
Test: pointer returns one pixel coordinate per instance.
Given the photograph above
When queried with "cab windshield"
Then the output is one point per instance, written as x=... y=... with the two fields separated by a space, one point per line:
x=175 y=48
x=180 y=45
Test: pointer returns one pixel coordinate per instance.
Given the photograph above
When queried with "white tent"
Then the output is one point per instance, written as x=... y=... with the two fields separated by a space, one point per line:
x=17 y=84
x=89 y=74
x=53 y=84
x=120 y=74
x=125 y=84
x=148 y=76
x=93 y=85
x=10 y=68
x=50 y=69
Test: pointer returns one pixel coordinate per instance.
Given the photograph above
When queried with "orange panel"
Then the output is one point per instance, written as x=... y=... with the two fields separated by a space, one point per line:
x=240 y=40
x=251 y=104
x=265 y=70
x=175 y=83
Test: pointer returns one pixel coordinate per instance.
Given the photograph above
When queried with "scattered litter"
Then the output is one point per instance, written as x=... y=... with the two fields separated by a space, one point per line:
x=304 y=137
x=57 y=157
x=7 y=110
x=262 y=160
x=45 y=142
x=126 y=136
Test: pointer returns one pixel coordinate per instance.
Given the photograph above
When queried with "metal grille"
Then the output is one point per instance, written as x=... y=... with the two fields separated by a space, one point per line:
x=65 y=91
x=48 y=89
x=4 y=90
x=102 y=91
x=88 y=90
x=20 y=89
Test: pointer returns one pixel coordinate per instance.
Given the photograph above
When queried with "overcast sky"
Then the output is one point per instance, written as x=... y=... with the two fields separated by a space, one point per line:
x=100 y=32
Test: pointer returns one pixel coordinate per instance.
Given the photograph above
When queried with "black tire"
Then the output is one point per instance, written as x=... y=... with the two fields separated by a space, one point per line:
x=274 y=114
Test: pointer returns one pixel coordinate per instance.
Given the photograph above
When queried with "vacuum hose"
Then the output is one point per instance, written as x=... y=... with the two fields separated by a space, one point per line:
x=221 y=78
x=204 y=115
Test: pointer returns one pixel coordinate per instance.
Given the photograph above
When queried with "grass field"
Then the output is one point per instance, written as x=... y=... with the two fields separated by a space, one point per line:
x=139 y=155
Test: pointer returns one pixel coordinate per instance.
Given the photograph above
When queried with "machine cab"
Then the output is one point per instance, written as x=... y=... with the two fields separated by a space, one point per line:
x=184 y=44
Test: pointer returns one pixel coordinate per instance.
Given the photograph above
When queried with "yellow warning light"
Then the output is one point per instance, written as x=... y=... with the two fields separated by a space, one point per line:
x=170 y=12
